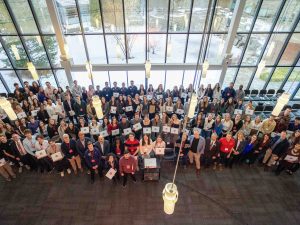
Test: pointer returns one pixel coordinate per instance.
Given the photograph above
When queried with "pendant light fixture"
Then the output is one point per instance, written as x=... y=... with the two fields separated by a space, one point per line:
x=6 y=106
x=32 y=70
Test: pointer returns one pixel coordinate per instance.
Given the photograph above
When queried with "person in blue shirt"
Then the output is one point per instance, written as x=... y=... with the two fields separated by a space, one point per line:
x=92 y=159
x=295 y=125
x=229 y=92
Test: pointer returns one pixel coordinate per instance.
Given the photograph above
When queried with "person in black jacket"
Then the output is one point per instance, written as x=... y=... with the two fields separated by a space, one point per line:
x=184 y=150
x=212 y=151
x=80 y=108
x=106 y=92
x=279 y=146
x=123 y=90
x=240 y=144
x=81 y=145
x=68 y=147
x=69 y=107
x=132 y=89
x=42 y=114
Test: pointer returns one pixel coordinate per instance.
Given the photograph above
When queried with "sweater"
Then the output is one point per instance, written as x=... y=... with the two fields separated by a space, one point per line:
x=127 y=165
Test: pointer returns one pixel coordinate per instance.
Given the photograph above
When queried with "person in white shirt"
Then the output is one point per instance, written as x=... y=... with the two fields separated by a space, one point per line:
x=76 y=89
x=146 y=146
x=44 y=162
x=29 y=142
x=49 y=90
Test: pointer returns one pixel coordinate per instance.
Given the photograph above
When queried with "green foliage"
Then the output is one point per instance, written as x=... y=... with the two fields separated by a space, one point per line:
x=279 y=75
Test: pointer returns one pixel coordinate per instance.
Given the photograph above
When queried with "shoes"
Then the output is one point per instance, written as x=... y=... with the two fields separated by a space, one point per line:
x=20 y=169
x=75 y=172
x=215 y=167
x=8 y=179
x=88 y=172
x=62 y=174
x=197 y=171
x=69 y=171
x=220 y=167
x=124 y=186
x=27 y=167
x=14 y=176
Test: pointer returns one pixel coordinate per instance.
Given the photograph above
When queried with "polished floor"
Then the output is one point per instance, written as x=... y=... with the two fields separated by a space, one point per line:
x=237 y=196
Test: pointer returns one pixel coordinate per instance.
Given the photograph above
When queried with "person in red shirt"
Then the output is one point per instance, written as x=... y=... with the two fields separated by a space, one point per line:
x=226 y=145
x=127 y=166
x=132 y=145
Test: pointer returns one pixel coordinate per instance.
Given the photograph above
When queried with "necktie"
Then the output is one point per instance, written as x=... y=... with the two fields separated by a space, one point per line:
x=20 y=148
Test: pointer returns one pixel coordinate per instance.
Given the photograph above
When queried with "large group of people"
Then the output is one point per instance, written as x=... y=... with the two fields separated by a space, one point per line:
x=59 y=130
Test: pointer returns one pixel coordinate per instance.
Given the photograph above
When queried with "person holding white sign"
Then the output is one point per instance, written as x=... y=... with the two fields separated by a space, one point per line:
x=62 y=163
x=169 y=107
x=129 y=108
x=113 y=107
x=146 y=146
x=136 y=120
x=42 y=145
x=156 y=126
x=93 y=161
x=146 y=124
x=159 y=146
x=175 y=123
x=290 y=160
x=112 y=166
x=178 y=108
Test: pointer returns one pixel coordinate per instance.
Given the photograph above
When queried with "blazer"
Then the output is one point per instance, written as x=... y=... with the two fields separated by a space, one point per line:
x=106 y=150
x=67 y=106
x=201 y=144
x=281 y=148
x=241 y=146
x=80 y=109
x=69 y=151
x=81 y=149
x=90 y=162
x=213 y=150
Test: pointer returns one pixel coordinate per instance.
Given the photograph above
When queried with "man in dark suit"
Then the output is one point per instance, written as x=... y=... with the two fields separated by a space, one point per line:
x=211 y=152
x=106 y=92
x=81 y=145
x=103 y=146
x=279 y=147
x=80 y=108
x=115 y=88
x=123 y=89
x=69 y=107
x=132 y=89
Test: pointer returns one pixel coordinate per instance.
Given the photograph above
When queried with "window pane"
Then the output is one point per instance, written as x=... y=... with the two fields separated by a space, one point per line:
x=76 y=49
x=179 y=15
x=136 y=48
x=229 y=76
x=10 y=77
x=43 y=17
x=274 y=47
x=243 y=77
x=215 y=48
x=37 y=52
x=100 y=77
x=248 y=15
x=223 y=14
x=7 y=26
x=174 y=78
x=193 y=48
x=25 y=75
x=188 y=78
x=266 y=15
x=198 y=16
x=90 y=16
x=135 y=15
x=96 y=49
x=62 y=79
x=260 y=79
x=53 y=50
x=176 y=48
x=68 y=16
x=297 y=96
x=137 y=76
x=157 y=46
x=118 y=76
x=113 y=16
x=291 y=51
x=16 y=51
x=82 y=79
x=157 y=77
x=237 y=48
x=158 y=16
x=288 y=15
x=116 y=48
x=278 y=77
x=254 y=49
x=23 y=16
x=47 y=76
x=212 y=77
x=293 y=80
x=4 y=61
x=2 y=88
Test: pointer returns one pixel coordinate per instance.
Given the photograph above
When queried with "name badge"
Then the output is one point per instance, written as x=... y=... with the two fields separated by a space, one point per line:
x=174 y=130
x=104 y=133
x=85 y=130
x=137 y=126
x=113 y=109
x=115 y=132
x=166 y=129
x=128 y=108
x=127 y=131
x=180 y=111
x=155 y=129
x=169 y=108
x=147 y=130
